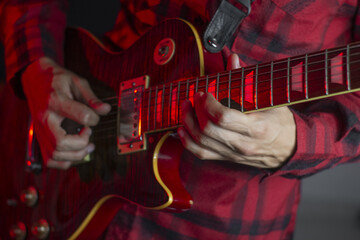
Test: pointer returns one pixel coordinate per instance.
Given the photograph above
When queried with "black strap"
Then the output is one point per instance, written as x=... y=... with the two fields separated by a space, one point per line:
x=224 y=23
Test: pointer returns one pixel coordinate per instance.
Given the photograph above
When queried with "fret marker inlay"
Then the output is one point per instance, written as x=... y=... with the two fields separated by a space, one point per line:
x=336 y=69
x=297 y=83
x=158 y=106
x=249 y=88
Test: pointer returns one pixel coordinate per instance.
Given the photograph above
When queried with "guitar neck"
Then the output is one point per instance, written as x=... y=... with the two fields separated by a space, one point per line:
x=278 y=83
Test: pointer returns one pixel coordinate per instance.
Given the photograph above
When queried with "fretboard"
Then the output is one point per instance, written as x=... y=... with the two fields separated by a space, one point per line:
x=278 y=83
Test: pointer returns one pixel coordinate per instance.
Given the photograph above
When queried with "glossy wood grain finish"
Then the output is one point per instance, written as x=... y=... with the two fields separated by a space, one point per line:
x=88 y=195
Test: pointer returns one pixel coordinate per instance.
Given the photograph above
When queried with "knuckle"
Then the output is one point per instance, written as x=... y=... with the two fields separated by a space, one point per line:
x=259 y=130
x=202 y=139
x=56 y=155
x=249 y=150
x=78 y=156
x=208 y=129
x=61 y=144
x=223 y=118
x=271 y=163
x=87 y=117
x=201 y=154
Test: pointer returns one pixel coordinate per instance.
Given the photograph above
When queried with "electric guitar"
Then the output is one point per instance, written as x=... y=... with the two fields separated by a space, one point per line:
x=137 y=155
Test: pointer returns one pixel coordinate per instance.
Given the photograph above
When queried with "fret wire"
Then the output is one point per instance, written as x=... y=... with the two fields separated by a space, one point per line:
x=277 y=70
x=289 y=74
x=170 y=101
x=178 y=102
x=256 y=86
x=288 y=80
x=148 y=116
x=306 y=78
x=207 y=82
x=272 y=84
x=229 y=90
x=242 y=89
x=162 y=107
x=217 y=86
x=155 y=105
x=317 y=62
x=197 y=84
x=187 y=89
x=348 y=66
x=326 y=73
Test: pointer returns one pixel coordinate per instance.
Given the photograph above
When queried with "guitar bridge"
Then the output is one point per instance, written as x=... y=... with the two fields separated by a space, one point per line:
x=129 y=135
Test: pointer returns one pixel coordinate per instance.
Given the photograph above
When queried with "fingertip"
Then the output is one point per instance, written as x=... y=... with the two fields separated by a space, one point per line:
x=185 y=104
x=233 y=62
x=62 y=165
x=104 y=109
x=90 y=148
x=100 y=107
x=91 y=119
x=86 y=131
x=180 y=131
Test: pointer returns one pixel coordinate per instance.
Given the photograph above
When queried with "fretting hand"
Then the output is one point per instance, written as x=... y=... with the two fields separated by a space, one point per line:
x=212 y=131
x=53 y=94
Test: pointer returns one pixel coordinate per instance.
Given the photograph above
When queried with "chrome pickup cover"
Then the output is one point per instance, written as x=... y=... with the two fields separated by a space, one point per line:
x=129 y=135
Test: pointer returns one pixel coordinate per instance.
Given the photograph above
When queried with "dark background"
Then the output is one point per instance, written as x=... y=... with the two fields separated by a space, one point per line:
x=330 y=204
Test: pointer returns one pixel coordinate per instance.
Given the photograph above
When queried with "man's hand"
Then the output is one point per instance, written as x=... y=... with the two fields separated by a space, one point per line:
x=53 y=94
x=212 y=131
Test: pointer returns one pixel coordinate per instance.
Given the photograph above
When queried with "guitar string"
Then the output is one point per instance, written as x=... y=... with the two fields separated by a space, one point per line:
x=213 y=84
x=213 y=77
x=226 y=89
x=99 y=129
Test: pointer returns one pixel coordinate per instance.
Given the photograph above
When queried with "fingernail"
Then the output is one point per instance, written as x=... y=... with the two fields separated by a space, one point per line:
x=95 y=103
x=180 y=132
x=185 y=104
x=89 y=131
x=90 y=148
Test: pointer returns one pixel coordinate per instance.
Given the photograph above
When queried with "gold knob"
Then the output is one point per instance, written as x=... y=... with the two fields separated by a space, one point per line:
x=29 y=196
x=18 y=231
x=40 y=229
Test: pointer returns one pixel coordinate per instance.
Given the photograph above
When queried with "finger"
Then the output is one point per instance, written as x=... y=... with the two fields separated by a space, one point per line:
x=207 y=154
x=73 y=155
x=76 y=111
x=73 y=142
x=63 y=165
x=233 y=62
x=192 y=128
x=62 y=140
x=84 y=92
x=224 y=117
x=197 y=150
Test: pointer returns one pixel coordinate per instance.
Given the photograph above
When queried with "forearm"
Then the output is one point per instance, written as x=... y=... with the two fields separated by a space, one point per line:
x=29 y=30
x=327 y=135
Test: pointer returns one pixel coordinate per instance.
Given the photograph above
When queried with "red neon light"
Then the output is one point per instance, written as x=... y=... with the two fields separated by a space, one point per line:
x=30 y=139
x=249 y=88
x=174 y=109
x=139 y=129
x=158 y=106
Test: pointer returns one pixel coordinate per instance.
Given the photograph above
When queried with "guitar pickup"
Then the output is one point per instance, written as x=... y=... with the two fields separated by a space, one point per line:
x=129 y=134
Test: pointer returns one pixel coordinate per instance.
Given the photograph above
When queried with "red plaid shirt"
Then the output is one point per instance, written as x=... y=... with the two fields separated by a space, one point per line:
x=231 y=201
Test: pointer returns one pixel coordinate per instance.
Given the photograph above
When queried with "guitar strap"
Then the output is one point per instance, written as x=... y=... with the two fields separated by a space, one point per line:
x=224 y=23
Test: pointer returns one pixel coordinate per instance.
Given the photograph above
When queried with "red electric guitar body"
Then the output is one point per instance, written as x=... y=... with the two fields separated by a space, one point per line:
x=80 y=202
x=137 y=156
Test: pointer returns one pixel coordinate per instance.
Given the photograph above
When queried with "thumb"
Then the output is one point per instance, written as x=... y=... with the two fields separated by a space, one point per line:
x=84 y=93
x=233 y=62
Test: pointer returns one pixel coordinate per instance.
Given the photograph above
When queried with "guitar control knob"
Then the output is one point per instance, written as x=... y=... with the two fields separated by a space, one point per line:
x=40 y=229
x=18 y=231
x=29 y=196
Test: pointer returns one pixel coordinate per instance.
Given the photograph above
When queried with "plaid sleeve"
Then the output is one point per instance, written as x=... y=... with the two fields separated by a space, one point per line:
x=31 y=29
x=328 y=131
x=356 y=26
x=328 y=134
